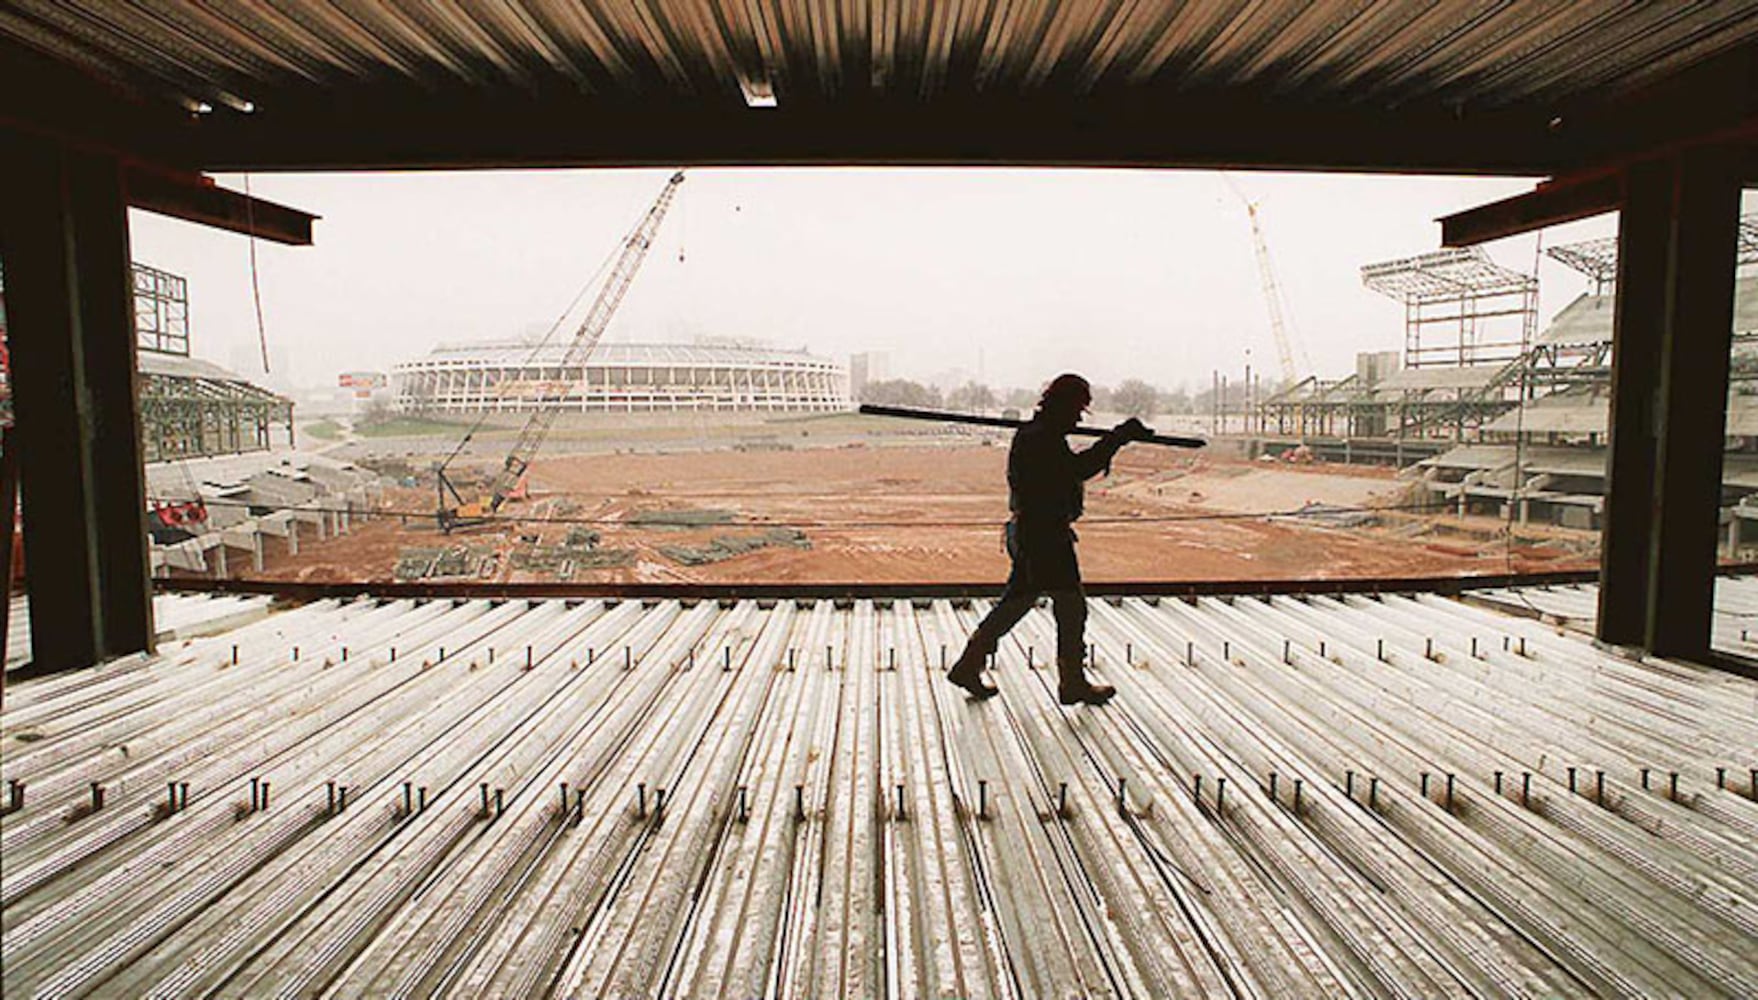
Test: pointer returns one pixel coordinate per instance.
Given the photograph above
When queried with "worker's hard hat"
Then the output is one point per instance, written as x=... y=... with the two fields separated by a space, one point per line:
x=1067 y=389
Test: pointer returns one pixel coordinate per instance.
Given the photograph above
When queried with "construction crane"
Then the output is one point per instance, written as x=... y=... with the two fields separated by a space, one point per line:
x=509 y=481
x=1272 y=292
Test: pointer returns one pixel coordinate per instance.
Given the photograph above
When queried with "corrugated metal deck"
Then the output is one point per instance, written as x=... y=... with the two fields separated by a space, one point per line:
x=174 y=616
x=1733 y=629
x=1290 y=797
x=1382 y=54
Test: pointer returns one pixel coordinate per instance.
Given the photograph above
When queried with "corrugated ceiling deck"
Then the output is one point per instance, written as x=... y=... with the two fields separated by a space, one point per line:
x=1452 y=53
x=741 y=800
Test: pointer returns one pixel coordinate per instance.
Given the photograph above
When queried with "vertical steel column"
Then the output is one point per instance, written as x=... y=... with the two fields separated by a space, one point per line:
x=64 y=237
x=1695 y=345
x=1638 y=317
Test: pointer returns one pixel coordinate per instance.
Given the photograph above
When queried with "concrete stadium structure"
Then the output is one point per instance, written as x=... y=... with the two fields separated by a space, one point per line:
x=511 y=376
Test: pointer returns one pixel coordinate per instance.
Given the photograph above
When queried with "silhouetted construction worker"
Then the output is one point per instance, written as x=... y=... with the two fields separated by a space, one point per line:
x=1045 y=494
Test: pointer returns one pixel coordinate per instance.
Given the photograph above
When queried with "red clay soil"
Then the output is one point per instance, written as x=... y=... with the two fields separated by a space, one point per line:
x=931 y=514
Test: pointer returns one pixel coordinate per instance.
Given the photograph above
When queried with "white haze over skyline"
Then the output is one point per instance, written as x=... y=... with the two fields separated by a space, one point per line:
x=1018 y=273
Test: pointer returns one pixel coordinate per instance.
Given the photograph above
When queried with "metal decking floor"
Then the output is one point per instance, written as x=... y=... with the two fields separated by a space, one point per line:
x=174 y=615
x=1733 y=627
x=1290 y=797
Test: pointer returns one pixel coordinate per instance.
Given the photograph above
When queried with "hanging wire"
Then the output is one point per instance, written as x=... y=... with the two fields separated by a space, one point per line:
x=1516 y=496
x=262 y=334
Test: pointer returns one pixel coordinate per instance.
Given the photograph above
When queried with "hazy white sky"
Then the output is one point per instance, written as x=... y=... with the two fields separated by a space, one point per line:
x=1114 y=273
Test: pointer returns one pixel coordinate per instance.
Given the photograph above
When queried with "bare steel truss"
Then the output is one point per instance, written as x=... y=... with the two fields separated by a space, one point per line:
x=161 y=311
x=1461 y=308
x=1598 y=258
x=189 y=415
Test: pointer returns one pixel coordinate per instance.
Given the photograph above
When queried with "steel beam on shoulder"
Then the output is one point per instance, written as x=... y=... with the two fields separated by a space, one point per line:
x=64 y=240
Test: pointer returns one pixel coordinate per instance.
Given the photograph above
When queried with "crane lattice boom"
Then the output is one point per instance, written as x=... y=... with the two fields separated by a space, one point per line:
x=1272 y=298
x=1272 y=292
x=592 y=327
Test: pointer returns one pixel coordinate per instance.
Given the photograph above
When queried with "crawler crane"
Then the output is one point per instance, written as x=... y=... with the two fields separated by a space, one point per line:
x=509 y=481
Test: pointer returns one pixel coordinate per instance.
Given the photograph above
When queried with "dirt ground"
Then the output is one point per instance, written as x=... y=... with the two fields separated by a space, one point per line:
x=933 y=513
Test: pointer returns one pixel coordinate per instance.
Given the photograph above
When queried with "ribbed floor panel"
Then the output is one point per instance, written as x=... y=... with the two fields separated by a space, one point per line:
x=1351 y=796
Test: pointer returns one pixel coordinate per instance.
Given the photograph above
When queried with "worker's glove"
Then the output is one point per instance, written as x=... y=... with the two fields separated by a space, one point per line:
x=1132 y=430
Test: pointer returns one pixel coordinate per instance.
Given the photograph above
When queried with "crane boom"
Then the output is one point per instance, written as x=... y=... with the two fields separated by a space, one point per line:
x=1272 y=293
x=1272 y=298
x=616 y=285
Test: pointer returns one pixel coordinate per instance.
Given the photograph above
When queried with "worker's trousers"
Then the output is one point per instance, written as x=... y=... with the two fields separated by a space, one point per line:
x=1043 y=563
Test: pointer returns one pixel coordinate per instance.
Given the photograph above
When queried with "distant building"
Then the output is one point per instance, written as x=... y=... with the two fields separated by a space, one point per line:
x=362 y=383
x=511 y=376
x=868 y=366
x=1373 y=367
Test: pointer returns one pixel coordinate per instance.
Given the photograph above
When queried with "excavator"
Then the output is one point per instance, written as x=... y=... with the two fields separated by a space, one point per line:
x=509 y=481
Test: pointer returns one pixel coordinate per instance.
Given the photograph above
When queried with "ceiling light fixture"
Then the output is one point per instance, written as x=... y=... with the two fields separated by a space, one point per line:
x=758 y=93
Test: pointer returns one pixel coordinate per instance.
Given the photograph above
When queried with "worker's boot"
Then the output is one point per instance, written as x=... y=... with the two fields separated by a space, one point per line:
x=1075 y=689
x=967 y=672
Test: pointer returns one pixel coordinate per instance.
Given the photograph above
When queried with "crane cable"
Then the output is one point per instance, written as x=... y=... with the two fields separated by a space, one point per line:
x=554 y=328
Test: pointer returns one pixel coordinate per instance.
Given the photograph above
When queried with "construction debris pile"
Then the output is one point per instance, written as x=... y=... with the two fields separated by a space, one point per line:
x=1342 y=795
x=683 y=518
x=577 y=551
x=722 y=547
x=717 y=547
x=449 y=561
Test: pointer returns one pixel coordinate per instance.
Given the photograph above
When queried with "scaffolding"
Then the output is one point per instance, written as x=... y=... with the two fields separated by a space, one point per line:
x=1469 y=326
x=1461 y=309
x=161 y=311
x=1597 y=259
x=189 y=409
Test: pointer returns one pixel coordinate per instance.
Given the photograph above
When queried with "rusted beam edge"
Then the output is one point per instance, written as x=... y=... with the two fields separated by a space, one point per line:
x=1572 y=197
x=306 y=590
x=484 y=128
x=195 y=198
x=1551 y=203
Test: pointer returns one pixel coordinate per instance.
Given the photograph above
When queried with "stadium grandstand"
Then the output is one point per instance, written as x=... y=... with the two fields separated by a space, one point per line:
x=510 y=376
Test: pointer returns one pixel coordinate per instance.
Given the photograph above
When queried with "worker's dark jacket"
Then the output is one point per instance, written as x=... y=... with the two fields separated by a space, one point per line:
x=1044 y=478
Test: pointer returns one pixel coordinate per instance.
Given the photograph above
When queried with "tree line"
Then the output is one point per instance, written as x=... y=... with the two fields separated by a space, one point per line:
x=1131 y=397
